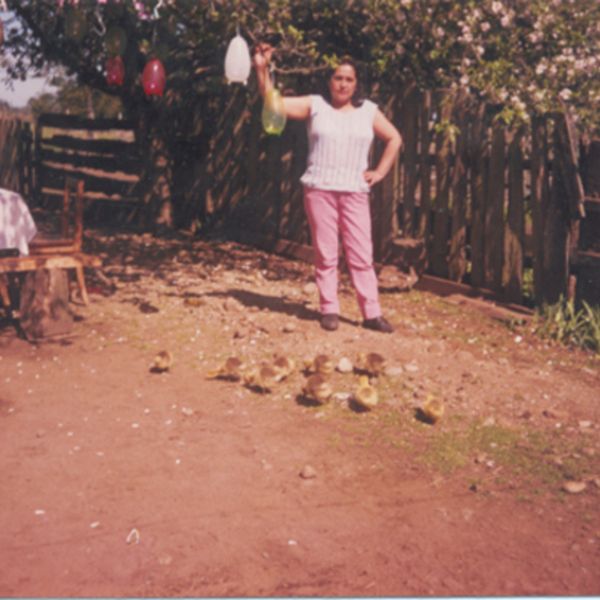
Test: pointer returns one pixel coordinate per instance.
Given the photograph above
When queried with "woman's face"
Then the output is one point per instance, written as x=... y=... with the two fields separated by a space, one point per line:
x=342 y=85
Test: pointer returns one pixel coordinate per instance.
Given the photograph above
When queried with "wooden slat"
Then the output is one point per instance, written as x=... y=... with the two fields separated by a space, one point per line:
x=410 y=131
x=93 y=146
x=539 y=199
x=457 y=262
x=592 y=204
x=53 y=178
x=298 y=224
x=557 y=227
x=566 y=162
x=33 y=263
x=108 y=165
x=74 y=122
x=494 y=214
x=94 y=196
x=588 y=258
x=51 y=246
x=384 y=218
x=439 y=254
x=514 y=238
x=424 y=231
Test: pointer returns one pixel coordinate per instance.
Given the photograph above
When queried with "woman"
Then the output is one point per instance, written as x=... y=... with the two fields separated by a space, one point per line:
x=337 y=182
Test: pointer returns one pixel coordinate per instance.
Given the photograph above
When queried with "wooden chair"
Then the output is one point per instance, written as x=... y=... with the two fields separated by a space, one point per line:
x=47 y=252
x=71 y=233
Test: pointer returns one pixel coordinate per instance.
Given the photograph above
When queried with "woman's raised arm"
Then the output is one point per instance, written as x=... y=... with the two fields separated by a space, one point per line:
x=296 y=107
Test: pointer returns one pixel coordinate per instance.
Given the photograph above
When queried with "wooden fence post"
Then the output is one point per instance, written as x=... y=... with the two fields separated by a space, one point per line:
x=494 y=214
x=514 y=239
x=410 y=132
x=479 y=175
x=563 y=204
x=457 y=256
x=425 y=203
x=383 y=201
x=439 y=255
x=539 y=200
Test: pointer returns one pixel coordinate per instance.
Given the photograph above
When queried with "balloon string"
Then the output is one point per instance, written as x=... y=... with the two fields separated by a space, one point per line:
x=159 y=5
x=272 y=73
x=102 y=29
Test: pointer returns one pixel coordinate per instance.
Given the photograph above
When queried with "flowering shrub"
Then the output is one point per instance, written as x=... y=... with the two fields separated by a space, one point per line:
x=524 y=54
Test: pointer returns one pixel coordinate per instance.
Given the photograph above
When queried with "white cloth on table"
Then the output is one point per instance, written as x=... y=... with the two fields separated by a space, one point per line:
x=17 y=227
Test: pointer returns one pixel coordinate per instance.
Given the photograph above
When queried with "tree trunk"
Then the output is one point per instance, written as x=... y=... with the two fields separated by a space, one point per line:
x=45 y=304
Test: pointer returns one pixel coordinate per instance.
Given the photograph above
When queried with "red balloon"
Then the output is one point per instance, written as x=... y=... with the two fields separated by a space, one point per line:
x=115 y=70
x=154 y=78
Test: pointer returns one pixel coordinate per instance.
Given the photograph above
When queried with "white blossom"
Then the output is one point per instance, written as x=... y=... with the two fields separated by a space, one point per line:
x=565 y=93
x=536 y=37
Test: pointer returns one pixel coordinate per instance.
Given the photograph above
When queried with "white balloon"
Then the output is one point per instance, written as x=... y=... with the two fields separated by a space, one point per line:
x=237 y=60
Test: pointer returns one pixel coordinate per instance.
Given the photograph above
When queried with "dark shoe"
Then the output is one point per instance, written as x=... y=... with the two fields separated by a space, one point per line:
x=329 y=322
x=378 y=324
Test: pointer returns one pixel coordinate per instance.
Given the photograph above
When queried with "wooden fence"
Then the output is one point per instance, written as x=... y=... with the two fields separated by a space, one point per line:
x=101 y=152
x=484 y=202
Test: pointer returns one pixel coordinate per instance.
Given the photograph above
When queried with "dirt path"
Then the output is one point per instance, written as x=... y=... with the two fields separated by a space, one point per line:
x=207 y=472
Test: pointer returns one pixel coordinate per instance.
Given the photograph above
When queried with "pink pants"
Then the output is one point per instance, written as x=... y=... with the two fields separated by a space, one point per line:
x=328 y=213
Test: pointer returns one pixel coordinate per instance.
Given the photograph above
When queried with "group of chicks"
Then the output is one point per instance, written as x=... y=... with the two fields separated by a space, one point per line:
x=317 y=386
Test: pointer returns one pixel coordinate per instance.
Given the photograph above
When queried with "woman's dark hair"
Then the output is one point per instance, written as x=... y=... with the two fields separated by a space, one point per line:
x=359 y=93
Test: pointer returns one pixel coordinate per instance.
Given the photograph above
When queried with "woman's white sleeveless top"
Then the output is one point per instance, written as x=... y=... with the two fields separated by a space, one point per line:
x=338 y=146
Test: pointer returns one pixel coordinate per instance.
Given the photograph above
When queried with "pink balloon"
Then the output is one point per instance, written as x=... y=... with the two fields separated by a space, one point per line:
x=154 y=78
x=115 y=70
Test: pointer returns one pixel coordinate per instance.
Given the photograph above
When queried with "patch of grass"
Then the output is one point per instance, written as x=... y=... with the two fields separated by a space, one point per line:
x=562 y=323
x=587 y=518
x=532 y=461
x=523 y=498
x=141 y=346
x=335 y=439
x=456 y=418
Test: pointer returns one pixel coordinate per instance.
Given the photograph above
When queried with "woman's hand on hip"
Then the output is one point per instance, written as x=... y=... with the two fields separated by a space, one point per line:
x=373 y=177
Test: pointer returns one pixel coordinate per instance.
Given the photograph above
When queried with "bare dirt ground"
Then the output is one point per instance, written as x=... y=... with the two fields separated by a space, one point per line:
x=207 y=472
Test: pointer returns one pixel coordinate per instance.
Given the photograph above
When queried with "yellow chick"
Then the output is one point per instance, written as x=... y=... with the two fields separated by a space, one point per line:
x=366 y=394
x=373 y=363
x=233 y=368
x=317 y=388
x=163 y=360
x=284 y=366
x=320 y=364
x=264 y=378
x=433 y=409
